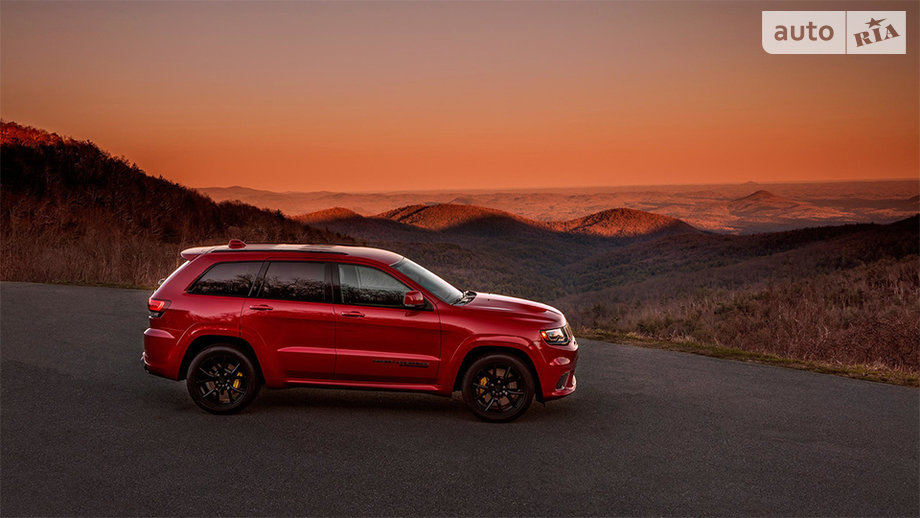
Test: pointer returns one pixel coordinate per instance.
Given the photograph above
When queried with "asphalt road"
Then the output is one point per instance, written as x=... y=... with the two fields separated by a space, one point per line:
x=86 y=432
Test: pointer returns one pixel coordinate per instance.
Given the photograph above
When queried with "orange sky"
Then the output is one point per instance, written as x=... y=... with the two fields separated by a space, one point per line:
x=394 y=96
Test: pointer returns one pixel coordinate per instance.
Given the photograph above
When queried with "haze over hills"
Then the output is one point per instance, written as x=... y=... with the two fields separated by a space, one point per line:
x=759 y=201
x=717 y=208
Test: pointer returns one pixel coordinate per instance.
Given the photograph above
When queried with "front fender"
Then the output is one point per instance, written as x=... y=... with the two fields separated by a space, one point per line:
x=450 y=375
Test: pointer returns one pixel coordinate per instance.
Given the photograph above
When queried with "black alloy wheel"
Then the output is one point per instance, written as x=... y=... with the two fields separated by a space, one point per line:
x=498 y=387
x=222 y=379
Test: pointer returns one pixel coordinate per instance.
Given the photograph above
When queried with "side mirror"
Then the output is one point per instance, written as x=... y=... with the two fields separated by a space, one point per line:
x=414 y=299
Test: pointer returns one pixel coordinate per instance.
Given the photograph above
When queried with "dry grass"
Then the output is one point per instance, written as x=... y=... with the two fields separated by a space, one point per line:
x=877 y=373
x=866 y=315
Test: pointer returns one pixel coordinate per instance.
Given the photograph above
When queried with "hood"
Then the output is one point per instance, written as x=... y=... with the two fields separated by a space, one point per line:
x=514 y=306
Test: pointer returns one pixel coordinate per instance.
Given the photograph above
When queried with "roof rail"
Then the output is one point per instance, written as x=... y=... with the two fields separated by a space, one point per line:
x=239 y=246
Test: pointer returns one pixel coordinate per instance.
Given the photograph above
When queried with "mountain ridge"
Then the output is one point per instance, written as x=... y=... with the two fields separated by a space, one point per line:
x=711 y=208
x=446 y=217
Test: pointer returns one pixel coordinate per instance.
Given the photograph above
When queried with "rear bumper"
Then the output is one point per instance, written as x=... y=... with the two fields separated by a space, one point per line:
x=158 y=346
x=147 y=366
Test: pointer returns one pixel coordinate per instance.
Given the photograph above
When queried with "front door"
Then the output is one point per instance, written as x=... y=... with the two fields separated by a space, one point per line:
x=293 y=314
x=377 y=338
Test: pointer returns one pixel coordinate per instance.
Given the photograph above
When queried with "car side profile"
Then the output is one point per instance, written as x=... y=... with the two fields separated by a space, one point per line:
x=233 y=318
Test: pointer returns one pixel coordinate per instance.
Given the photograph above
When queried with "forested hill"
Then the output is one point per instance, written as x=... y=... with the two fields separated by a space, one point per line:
x=73 y=212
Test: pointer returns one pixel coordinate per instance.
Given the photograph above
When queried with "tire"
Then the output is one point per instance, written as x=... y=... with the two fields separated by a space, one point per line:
x=498 y=387
x=222 y=379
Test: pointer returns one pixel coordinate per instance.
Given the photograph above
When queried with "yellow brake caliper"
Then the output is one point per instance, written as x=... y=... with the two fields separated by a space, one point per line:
x=483 y=384
x=236 y=382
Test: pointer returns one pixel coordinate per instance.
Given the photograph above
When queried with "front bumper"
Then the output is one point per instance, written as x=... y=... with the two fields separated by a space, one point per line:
x=568 y=386
x=558 y=377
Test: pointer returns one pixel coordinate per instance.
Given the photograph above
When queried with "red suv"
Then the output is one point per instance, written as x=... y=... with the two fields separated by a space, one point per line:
x=234 y=317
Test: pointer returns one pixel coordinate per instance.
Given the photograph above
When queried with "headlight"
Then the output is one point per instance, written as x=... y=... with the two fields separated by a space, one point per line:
x=556 y=336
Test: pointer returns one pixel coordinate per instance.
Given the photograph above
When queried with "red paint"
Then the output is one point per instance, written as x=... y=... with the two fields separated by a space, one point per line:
x=420 y=346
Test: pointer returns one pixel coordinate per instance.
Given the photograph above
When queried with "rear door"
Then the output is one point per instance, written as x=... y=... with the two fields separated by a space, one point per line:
x=291 y=310
x=377 y=338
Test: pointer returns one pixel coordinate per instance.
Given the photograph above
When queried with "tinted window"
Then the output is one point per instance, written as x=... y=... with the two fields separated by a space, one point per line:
x=231 y=279
x=363 y=285
x=305 y=282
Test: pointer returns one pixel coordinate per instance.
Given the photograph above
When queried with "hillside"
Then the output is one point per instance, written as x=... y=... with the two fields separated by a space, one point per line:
x=763 y=211
x=802 y=252
x=760 y=200
x=838 y=294
x=625 y=223
x=447 y=216
x=327 y=215
x=72 y=212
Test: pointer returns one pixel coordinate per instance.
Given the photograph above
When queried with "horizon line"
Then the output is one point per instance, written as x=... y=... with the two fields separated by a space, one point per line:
x=567 y=188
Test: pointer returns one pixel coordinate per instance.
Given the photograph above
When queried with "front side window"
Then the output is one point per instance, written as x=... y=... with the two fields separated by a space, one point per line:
x=301 y=281
x=366 y=286
x=431 y=282
x=227 y=279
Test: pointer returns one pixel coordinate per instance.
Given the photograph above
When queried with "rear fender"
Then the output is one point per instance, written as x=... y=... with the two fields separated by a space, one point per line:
x=268 y=359
x=193 y=333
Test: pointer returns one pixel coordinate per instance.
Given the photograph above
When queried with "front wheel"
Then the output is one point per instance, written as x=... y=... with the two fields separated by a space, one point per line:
x=498 y=387
x=222 y=379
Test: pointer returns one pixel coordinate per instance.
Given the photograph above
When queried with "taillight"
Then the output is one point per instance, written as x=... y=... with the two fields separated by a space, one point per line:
x=157 y=306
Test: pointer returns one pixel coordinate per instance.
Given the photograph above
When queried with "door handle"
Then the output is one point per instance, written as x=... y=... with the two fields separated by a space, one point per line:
x=353 y=314
x=261 y=307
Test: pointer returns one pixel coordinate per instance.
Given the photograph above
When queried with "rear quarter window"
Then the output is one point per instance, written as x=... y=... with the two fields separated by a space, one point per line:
x=227 y=279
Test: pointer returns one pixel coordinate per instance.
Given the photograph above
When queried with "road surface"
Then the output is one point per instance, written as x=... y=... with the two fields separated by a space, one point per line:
x=86 y=432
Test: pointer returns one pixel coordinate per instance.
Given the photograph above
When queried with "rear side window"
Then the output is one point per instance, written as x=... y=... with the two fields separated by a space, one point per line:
x=366 y=286
x=305 y=282
x=228 y=279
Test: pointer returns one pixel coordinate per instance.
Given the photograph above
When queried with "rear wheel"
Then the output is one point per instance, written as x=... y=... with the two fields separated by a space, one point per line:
x=498 y=387
x=222 y=379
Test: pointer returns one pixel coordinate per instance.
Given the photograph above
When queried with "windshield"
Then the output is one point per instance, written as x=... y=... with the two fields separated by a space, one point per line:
x=431 y=282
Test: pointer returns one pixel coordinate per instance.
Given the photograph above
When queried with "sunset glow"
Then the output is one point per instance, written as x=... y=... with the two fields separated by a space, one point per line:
x=396 y=96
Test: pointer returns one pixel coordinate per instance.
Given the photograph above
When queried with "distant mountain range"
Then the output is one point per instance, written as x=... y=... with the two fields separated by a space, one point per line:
x=471 y=220
x=736 y=209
